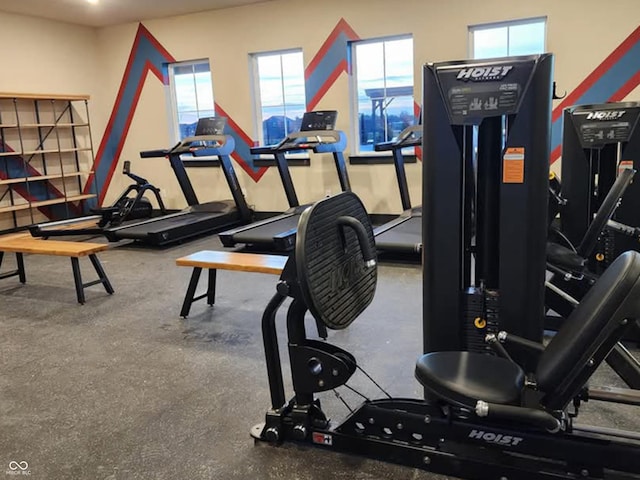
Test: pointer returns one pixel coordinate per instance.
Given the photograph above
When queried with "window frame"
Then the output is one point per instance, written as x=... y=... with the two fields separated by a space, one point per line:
x=353 y=90
x=172 y=98
x=505 y=23
x=256 y=95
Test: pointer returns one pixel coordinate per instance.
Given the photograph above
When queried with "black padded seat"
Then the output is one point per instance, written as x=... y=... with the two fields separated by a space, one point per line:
x=565 y=258
x=466 y=377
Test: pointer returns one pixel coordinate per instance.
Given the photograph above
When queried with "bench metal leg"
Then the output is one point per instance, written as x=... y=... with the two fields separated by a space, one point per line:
x=191 y=290
x=211 y=287
x=191 y=297
x=77 y=278
x=19 y=272
x=101 y=273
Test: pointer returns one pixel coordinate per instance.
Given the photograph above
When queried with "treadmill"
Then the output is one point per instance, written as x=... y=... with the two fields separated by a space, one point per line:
x=195 y=220
x=402 y=235
x=278 y=234
x=198 y=218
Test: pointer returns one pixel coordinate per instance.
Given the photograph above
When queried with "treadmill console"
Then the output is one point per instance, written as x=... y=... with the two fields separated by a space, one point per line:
x=319 y=120
x=211 y=126
x=316 y=128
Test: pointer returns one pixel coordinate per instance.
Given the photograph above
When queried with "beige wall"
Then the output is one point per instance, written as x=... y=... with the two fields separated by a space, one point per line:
x=79 y=60
x=42 y=56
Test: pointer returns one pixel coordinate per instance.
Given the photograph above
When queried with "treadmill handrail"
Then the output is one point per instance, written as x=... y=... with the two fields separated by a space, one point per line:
x=409 y=137
x=319 y=137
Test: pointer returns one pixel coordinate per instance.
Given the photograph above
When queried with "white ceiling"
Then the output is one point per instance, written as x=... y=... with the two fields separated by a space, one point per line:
x=113 y=12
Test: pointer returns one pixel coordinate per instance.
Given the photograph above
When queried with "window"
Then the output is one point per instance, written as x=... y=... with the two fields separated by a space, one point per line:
x=382 y=89
x=191 y=93
x=520 y=37
x=278 y=79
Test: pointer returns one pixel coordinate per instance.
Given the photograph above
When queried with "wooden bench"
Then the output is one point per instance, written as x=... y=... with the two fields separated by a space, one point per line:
x=214 y=260
x=24 y=243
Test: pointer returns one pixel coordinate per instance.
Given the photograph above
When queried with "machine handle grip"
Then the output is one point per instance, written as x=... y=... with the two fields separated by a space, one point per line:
x=368 y=252
x=154 y=153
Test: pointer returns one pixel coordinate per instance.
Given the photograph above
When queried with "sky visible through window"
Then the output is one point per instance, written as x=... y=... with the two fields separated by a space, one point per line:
x=193 y=94
x=383 y=73
x=501 y=40
x=281 y=94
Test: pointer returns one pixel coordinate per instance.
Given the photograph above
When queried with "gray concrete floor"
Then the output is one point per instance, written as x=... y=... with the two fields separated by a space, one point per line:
x=122 y=388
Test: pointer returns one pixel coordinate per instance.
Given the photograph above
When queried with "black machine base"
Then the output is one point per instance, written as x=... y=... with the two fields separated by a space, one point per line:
x=419 y=435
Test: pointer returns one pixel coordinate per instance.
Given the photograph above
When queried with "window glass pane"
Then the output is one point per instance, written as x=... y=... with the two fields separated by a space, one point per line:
x=204 y=91
x=490 y=42
x=294 y=114
x=293 y=79
x=384 y=85
x=270 y=77
x=193 y=93
x=509 y=38
x=526 y=39
x=281 y=94
x=187 y=122
x=185 y=92
x=399 y=63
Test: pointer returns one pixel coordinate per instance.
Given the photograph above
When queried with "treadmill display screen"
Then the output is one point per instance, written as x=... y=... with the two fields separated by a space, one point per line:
x=211 y=126
x=320 y=120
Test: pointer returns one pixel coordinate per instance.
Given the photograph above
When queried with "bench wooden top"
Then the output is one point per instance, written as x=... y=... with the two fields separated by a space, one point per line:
x=25 y=244
x=246 y=262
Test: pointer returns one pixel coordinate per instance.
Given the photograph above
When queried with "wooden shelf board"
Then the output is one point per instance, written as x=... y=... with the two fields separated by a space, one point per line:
x=8 y=125
x=42 y=152
x=46 y=125
x=15 y=208
x=45 y=203
x=39 y=178
x=43 y=96
x=10 y=181
x=85 y=196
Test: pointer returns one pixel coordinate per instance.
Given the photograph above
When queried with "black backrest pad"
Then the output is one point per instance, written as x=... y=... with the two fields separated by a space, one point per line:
x=614 y=297
x=605 y=212
x=335 y=284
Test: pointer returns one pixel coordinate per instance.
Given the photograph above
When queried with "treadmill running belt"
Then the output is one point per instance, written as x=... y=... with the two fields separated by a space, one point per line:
x=264 y=233
x=406 y=237
x=162 y=224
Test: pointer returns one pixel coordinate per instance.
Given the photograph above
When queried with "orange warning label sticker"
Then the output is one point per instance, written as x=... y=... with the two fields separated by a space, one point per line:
x=513 y=165
x=624 y=164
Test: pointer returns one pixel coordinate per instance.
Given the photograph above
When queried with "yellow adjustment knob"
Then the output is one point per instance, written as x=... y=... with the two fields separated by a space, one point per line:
x=480 y=322
x=600 y=257
x=552 y=175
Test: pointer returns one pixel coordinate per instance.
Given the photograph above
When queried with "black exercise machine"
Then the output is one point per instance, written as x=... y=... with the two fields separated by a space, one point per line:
x=485 y=187
x=402 y=234
x=198 y=218
x=124 y=209
x=486 y=417
x=598 y=143
x=317 y=133
x=571 y=277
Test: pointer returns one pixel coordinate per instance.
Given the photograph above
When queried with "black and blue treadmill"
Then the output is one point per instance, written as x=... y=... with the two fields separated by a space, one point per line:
x=402 y=235
x=198 y=218
x=278 y=234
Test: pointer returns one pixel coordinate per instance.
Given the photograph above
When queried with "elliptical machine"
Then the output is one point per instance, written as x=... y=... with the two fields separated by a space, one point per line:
x=126 y=207
x=130 y=207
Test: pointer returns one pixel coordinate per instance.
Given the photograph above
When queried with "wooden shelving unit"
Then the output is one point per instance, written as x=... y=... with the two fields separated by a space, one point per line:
x=46 y=158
